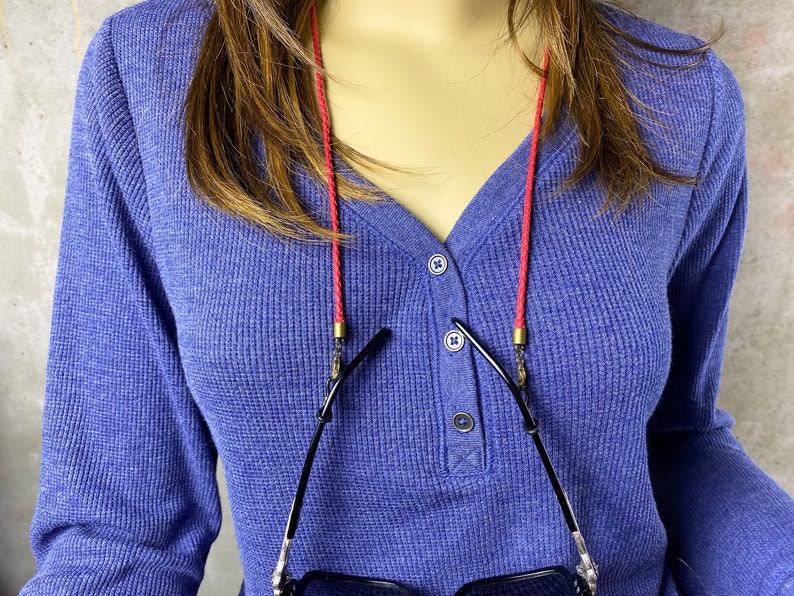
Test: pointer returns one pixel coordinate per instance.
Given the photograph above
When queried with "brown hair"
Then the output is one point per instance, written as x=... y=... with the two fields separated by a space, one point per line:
x=255 y=79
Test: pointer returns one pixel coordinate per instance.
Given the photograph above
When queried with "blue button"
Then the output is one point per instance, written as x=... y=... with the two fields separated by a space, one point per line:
x=453 y=340
x=463 y=422
x=437 y=264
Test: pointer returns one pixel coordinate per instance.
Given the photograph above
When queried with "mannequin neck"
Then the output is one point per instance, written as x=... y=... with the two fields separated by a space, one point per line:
x=433 y=86
x=431 y=23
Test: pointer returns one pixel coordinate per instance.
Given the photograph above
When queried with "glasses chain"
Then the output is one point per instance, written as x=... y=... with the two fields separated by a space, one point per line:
x=336 y=365
x=336 y=361
x=521 y=371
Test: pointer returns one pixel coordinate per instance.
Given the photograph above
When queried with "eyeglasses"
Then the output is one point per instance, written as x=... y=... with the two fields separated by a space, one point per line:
x=549 y=581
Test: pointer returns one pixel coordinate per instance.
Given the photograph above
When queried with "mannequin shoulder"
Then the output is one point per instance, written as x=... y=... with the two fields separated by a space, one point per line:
x=662 y=70
x=681 y=95
x=148 y=52
x=157 y=37
x=154 y=16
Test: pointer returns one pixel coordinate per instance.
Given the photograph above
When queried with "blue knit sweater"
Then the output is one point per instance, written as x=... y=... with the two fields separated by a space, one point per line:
x=180 y=334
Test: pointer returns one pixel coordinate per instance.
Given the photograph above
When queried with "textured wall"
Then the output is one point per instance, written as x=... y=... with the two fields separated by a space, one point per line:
x=44 y=41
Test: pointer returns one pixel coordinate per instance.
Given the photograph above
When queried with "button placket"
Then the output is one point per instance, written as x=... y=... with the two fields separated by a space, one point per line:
x=462 y=426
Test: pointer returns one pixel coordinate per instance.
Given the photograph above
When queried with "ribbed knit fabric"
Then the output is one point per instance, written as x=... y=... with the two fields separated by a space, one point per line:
x=180 y=334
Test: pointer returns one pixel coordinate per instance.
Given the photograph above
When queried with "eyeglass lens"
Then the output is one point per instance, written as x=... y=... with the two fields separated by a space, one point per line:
x=551 y=583
x=546 y=583
x=329 y=586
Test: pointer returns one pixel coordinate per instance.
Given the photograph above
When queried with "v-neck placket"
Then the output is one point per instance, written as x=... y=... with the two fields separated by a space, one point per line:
x=451 y=360
x=443 y=263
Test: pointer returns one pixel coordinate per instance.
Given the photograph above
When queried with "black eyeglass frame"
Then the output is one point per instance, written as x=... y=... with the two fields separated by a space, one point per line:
x=298 y=587
x=284 y=584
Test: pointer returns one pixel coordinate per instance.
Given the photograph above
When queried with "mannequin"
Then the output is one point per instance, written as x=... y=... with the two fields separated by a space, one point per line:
x=181 y=335
x=431 y=86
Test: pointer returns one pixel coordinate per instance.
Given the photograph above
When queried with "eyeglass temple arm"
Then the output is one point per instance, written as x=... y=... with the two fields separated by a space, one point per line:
x=323 y=416
x=588 y=569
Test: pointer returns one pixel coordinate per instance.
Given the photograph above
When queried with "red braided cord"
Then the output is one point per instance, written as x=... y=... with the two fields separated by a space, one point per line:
x=522 y=276
x=339 y=314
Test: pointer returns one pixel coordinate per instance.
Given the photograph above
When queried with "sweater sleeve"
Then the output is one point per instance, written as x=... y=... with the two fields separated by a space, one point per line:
x=128 y=501
x=730 y=526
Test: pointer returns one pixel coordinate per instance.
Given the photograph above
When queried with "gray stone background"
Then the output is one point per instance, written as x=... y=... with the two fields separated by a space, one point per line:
x=43 y=43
